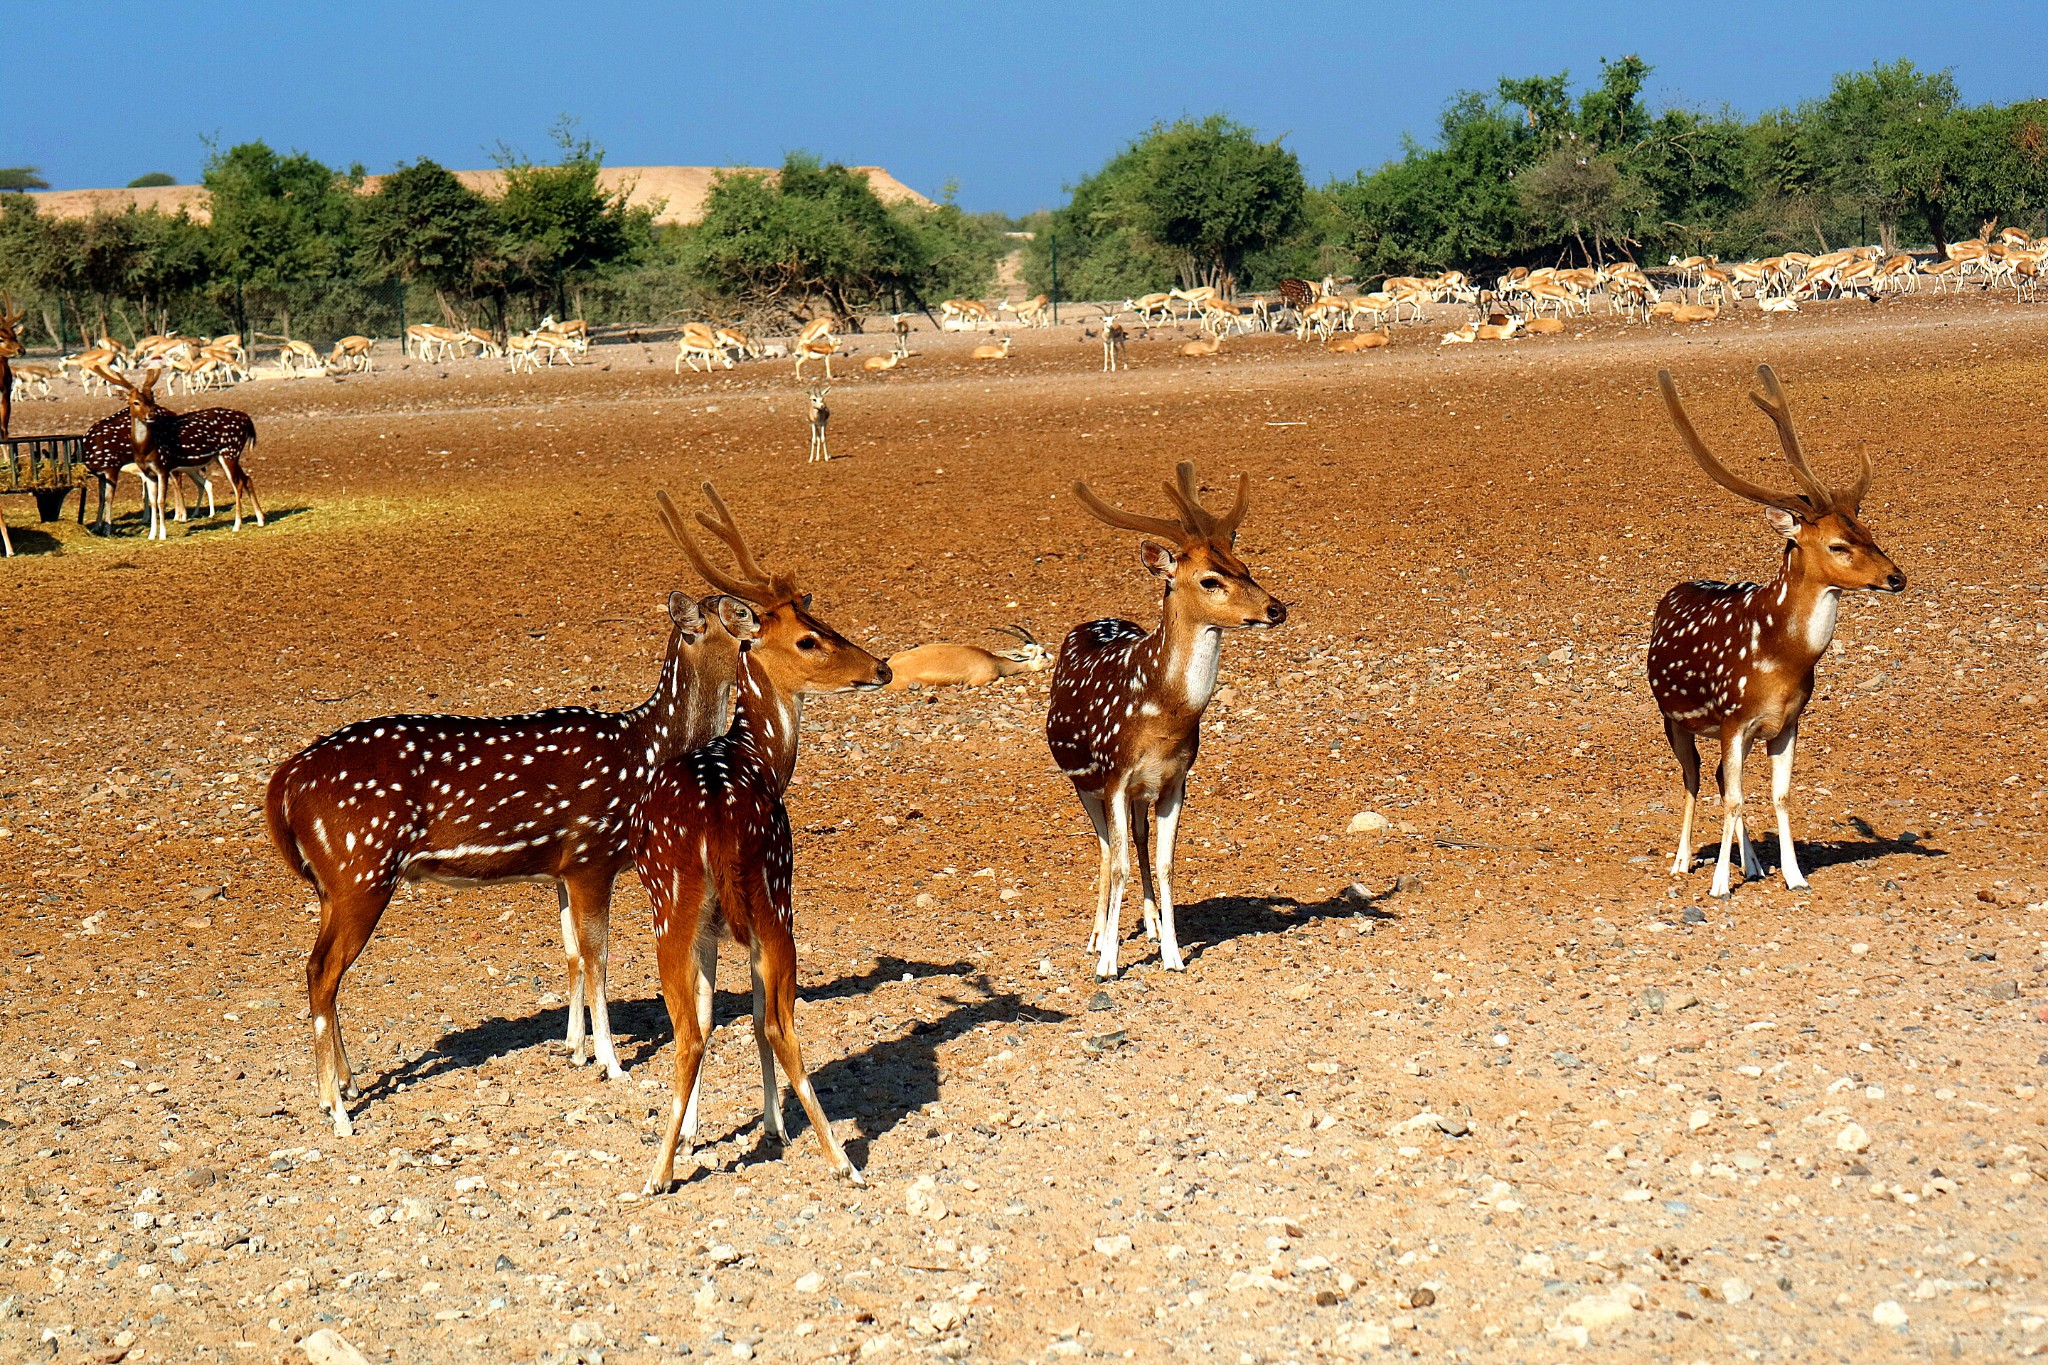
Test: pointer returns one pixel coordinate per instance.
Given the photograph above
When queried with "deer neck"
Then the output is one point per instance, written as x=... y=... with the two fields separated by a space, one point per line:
x=1184 y=655
x=767 y=720
x=1802 y=610
x=682 y=714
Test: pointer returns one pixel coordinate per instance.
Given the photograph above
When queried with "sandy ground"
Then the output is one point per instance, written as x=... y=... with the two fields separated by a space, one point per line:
x=1521 y=1096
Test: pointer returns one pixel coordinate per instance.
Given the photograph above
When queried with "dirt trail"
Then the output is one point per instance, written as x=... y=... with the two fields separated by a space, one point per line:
x=1527 y=1092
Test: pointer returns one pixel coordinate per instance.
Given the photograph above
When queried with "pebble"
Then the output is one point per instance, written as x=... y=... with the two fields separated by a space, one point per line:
x=202 y=894
x=1408 y=883
x=1888 y=1314
x=1852 y=1139
x=1368 y=822
x=1735 y=1289
x=1653 y=1000
x=810 y=1282
x=923 y=1200
x=1113 y=1247
x=329 y=1347
x=1101 y=1001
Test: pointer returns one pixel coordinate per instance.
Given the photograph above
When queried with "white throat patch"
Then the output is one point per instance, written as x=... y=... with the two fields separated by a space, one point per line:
x=1820 y=626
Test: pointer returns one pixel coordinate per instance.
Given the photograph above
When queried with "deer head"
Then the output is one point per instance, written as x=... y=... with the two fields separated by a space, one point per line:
x=1203 y=574
x=1819 y=523
x=771 y=615
x=10 y=338
x=1033 y=655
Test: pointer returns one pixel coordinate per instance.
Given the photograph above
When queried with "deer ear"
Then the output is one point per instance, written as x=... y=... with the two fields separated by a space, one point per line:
x=1158 y=559
x=1783 y=522
x=685 y=613
x=739 y=618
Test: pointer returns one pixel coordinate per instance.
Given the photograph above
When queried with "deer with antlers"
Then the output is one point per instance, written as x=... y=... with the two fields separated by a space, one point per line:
x=549 y=796
x=156 y=443
x=715 y=851
x=1125 y=718
x=1736 y=660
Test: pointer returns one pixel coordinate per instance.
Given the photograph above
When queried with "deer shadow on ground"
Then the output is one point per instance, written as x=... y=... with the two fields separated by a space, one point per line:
x=1207 y=924
x=645 y=1021
x=1820 y=853
x=31 y=539
x=882 y=1085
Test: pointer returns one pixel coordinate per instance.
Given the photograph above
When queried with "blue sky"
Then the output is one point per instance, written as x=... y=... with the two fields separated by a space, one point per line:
x=1011 y=101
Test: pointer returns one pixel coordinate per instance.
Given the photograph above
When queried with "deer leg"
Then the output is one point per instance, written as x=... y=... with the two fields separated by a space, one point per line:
x=5 y=542
x=347 y=919
x=774 y=958
x=1092 y=803
x=704 y=962
x=589 y=902
x=1168 y=809
x=1118 y=803
x=1141 y=836
x=572 y=954
x=1731 y=805
x=1687 y=750
x=771 y=1098
x=675 y=951
x=1781 y=750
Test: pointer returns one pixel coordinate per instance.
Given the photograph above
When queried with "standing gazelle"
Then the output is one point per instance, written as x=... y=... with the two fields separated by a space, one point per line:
x=714 y=850
x=1736 y=660
x=820 y=415
x=1125 y=718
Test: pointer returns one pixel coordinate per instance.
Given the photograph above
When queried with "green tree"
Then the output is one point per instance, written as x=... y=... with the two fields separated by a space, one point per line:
x=1582 y=195
x=1880 y=133
x=424 y=226
x=151 y=181
x=1210 y=192
x=812 y=233
x=558 y=221
x=279 y=222
x=22 y=178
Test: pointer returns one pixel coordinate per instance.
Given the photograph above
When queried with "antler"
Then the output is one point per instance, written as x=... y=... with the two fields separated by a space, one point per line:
x=754 y=585
x=1719 y=473
x=1196 y=522
x=1772 y=401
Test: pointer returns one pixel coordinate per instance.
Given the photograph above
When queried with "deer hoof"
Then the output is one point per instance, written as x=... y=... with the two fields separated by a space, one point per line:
x=342 y=1127
x=851 y=1174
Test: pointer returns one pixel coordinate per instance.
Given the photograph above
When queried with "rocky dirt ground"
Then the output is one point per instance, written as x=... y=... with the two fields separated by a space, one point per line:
x=1484 y=1084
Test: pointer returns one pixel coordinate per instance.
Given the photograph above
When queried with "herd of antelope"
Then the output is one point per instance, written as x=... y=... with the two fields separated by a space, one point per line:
x=688 y=787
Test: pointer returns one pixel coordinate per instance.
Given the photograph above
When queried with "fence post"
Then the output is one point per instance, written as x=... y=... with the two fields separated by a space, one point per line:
x=1055 y=278
x=401 y=316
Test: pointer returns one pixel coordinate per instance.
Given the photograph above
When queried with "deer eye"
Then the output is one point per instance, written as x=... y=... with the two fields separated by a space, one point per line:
x=807 y=643
x=1212 y=584
x=1841 y=550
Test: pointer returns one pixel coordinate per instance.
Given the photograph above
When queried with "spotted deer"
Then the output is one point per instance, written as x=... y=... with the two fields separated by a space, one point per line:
x=187 y=441
x=10 y=347
x=715 y=853
x=1125 y=717
x=549 y=796
x=1736 y=660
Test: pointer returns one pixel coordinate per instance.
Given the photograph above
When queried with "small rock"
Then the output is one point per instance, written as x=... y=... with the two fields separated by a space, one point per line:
x=1735 y=1289
x=1600 y=1310
x=1101 y=1001
x=1872 y=683
x=1408 y=883
x=924 y=901
x=1105 y=1042
x=1694 y=915
x=1852 y=1139
x=944 y=1316
x=809 y=1282
x=1653 y=1000
x=202 y=894
x=1113 y=1247
x=722 y=1253
x=1368 y=822
x=201 y=1177
x=1357 y=893
x=922 y=1200
x=1698 y=1119
x=1422 y=1298
x=503 y=1265
x=329 y=1347
x=1457 y=1123
x=1888 y=1314
x=199 y=922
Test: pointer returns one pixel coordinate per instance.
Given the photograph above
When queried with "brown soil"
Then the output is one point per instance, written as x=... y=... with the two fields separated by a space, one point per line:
x=1226 y=1163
